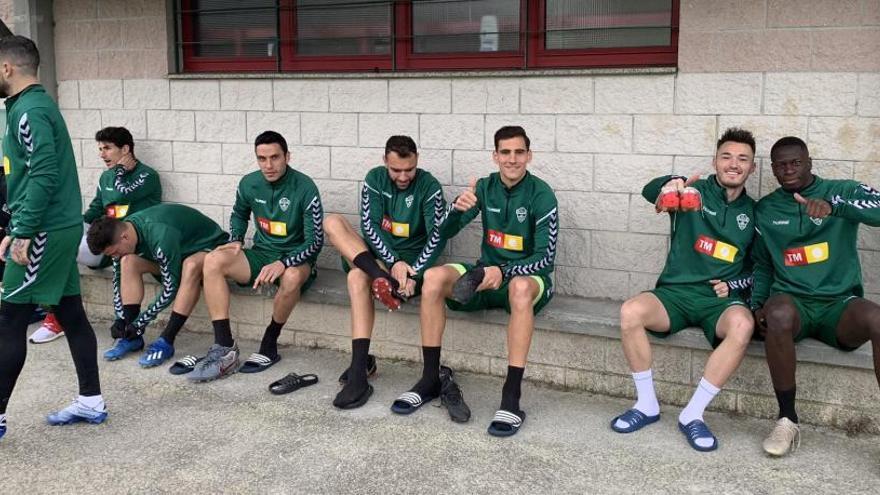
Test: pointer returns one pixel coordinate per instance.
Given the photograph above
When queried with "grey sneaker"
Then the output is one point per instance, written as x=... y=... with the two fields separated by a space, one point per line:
x=785 y=438
x=219 y=362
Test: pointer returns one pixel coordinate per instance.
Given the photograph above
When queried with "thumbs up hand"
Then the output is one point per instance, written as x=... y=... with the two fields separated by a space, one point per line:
x=467 y=199
x=816 y=208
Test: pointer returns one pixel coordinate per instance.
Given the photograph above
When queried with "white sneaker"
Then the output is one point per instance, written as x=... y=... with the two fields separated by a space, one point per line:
x=785 y=438
x=48 y=331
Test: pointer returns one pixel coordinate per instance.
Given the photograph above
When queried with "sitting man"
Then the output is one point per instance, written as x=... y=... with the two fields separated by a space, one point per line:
x=520 y=228
x=712 y=227
x=400 y=207
x=127 y=186
x=169 y=241
x=289 y=235
x=808 y=282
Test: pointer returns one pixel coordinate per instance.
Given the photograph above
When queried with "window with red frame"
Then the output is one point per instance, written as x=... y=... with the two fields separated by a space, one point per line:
x=401 y=35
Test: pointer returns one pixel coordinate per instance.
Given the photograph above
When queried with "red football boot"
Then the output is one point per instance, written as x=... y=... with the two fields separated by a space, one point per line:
x=690 y=200
x=668 y=200
x=383 y=291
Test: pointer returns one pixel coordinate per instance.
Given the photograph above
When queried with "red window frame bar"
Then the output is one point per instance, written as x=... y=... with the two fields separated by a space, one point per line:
x=531 y=53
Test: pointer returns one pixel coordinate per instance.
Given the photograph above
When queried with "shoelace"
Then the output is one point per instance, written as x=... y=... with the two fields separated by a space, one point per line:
x=787 y=434
x=452 y=393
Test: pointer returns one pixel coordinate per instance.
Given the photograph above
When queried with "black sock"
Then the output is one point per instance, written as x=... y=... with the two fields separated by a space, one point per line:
x=223 y=333
x=175 y=323
x=785 y=398
x=360 y=350
x=357 y=374
x=429 y=385
x=130 y=312
x=366 y=262
x=269 y=344
x=510 y=393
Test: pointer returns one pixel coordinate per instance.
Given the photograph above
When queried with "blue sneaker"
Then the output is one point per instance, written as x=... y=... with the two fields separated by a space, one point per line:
x=157 y=353
x=76 y=413
x=123 y=347
x=2 y=427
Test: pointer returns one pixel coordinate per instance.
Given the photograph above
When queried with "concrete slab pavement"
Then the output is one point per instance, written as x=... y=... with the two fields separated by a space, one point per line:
x=232 y=436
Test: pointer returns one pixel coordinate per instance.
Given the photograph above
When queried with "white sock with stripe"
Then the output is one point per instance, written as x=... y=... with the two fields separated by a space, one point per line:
x=646 y=398
x=699 y=402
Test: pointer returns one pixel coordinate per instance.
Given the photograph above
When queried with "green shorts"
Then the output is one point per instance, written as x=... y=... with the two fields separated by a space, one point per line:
x=52 y=272
x=419 y=280
x=819 y=318
x=258 y=257
x=498 y=298
x=693 y=305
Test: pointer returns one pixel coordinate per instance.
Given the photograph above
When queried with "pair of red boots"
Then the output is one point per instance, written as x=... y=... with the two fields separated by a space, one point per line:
x=687 y=199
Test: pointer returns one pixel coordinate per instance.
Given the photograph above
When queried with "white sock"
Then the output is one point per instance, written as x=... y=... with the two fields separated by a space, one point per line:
x=95 y=402
x=702 y=397
x=646 y=401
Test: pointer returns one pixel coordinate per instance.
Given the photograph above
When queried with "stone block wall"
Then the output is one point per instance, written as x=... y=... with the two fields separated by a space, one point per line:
x=775 y=67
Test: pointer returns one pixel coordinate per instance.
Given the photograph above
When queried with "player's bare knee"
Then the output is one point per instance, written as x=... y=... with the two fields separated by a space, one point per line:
x=291 y=281
x=632 y=315
x=435 y=279
x=740 y=330
x=781 y=319
x=520 y=292
x=332 y=223
x=358 y=281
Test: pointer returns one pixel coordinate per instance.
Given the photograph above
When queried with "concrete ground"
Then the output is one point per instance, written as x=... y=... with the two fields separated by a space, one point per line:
x=167 y=435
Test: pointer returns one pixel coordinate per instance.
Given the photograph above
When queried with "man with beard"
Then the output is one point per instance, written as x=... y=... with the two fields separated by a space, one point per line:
x=712 y=223
x=45 y=229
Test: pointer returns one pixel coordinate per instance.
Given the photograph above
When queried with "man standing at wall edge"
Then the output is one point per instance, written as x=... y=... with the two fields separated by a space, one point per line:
x=808 y=280
x=702 y=284
x=46 y=226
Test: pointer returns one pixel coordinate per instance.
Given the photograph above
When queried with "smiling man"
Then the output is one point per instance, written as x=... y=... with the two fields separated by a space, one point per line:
x=520 y=228
x=288 y=217
x=401 y=206
x=808 y=281
x=127 y=186
x=701 y=285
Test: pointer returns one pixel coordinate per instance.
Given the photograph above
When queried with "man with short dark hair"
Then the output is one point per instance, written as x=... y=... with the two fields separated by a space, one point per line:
x=401 y=206
x=170 y=242
x=288 y=217
x=520 y=224
x=703 y=284
x=127 y=186
x=808 y=282
x=45 y=228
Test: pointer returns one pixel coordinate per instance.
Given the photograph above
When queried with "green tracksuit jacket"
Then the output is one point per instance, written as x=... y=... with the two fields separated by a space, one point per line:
x=43 y=188
x=713 y=243
x=288 y=215
x=799 y=255
x=402 y=224
x=520 y=225
x=168 y=233
x=122 y=193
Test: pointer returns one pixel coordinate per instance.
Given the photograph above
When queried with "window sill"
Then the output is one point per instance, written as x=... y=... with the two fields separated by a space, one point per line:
x=428 y=74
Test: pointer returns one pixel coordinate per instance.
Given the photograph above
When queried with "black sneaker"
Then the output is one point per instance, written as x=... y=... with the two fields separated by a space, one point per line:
x=371 y=370
x=466 y=286
x=451 y=398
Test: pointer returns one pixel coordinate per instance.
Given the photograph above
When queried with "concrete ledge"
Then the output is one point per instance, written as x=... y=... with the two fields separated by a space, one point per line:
x=576 y=345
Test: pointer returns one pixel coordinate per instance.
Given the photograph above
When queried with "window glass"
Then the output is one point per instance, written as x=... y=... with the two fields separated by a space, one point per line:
x=579 y=24
x=455 y=26
x=223 y=28
x=343 y=27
